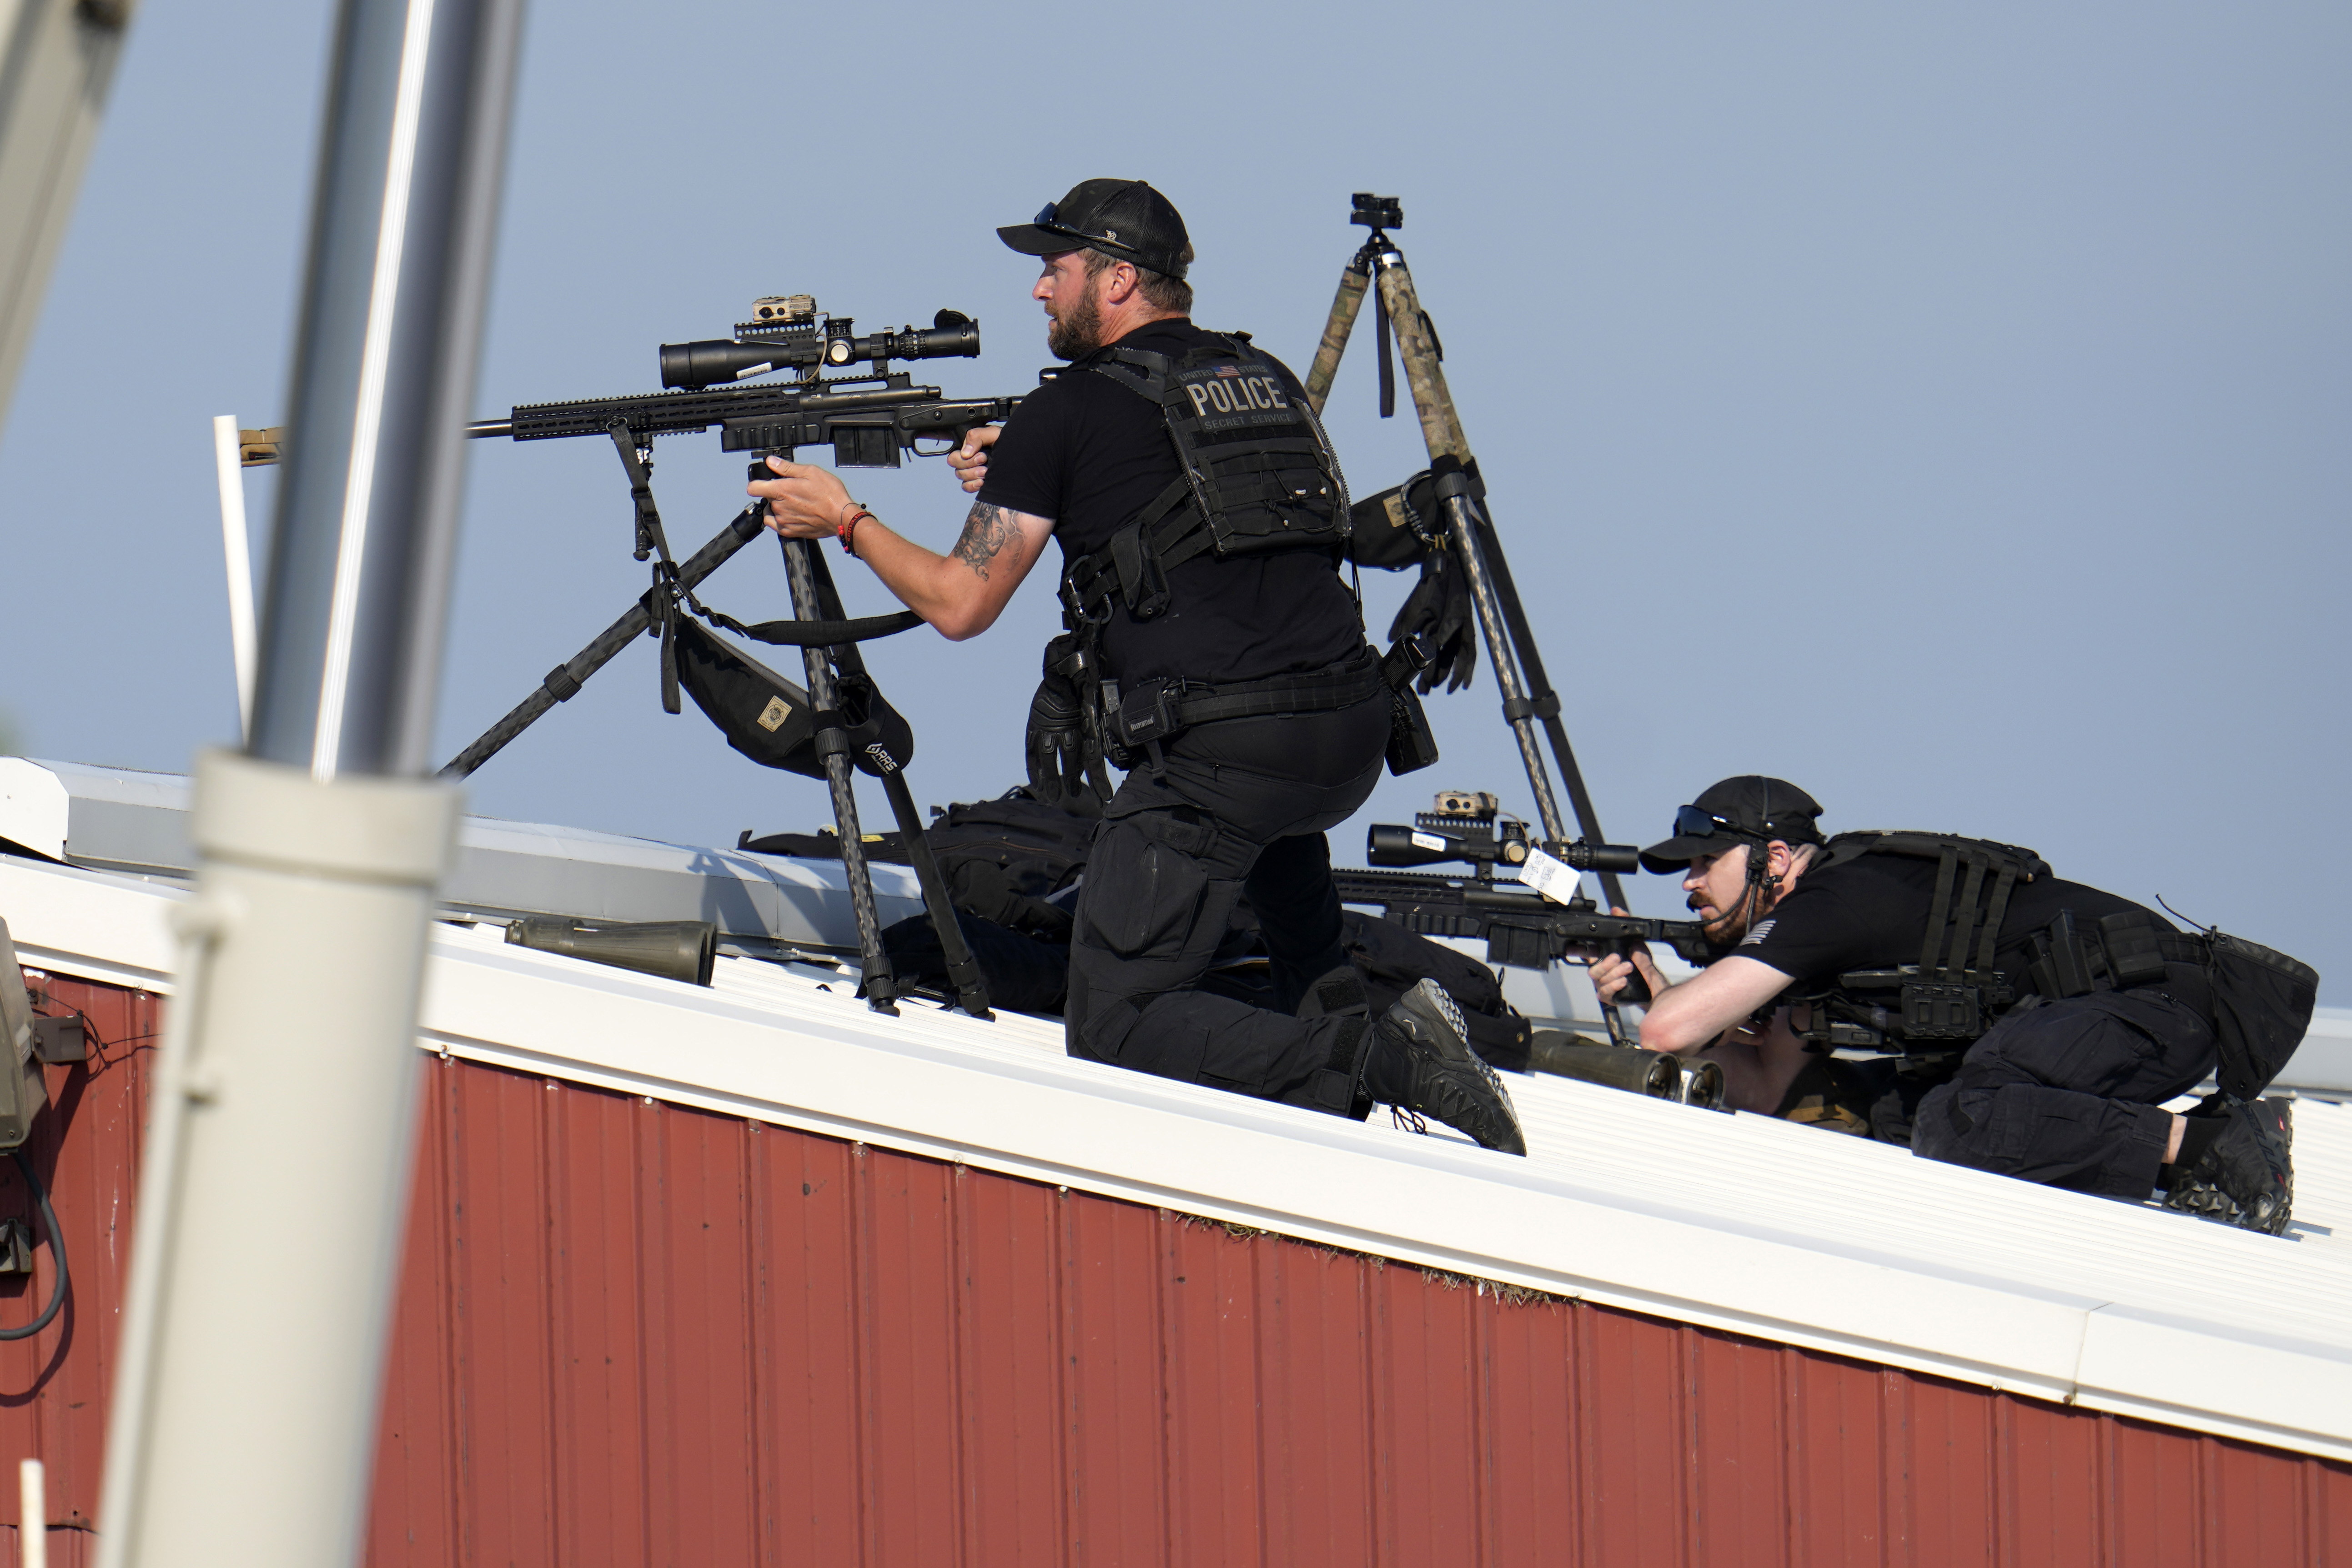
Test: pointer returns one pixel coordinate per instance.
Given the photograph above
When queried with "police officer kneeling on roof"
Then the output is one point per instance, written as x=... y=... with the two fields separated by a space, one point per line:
x=1211 y=647
x=2039 y=1025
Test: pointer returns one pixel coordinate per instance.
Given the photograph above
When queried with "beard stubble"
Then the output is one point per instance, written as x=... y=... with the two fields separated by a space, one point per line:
x=1077 y=333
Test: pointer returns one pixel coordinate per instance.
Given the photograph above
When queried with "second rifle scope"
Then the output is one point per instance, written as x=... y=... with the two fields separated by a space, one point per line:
x=1394 y=844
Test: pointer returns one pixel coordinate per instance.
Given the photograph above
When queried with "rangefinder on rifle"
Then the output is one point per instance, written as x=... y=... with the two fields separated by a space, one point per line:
x=1520 y=928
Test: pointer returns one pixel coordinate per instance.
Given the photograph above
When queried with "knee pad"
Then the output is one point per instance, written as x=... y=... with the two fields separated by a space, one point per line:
x=1338 y=993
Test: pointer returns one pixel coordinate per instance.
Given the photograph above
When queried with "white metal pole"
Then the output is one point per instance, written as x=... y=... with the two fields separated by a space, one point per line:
x=32 y=1516
x=236 y=554
x=274 y=1185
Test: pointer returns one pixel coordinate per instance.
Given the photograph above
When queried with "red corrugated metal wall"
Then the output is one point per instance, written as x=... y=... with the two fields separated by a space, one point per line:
x=631 y=1334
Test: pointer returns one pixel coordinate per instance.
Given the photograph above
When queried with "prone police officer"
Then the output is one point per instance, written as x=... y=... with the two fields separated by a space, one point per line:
x=1211 y=647
x=2041 y=1023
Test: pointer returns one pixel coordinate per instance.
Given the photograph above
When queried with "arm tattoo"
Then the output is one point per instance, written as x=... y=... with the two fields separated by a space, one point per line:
x=986 y=531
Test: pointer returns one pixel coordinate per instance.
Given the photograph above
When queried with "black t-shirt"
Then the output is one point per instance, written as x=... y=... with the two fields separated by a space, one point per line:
x=1871 y=914
x=1090 y=453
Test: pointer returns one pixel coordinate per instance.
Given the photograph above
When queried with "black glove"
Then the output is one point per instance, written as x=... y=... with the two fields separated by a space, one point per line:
x=1439 y=611
x=1057 y=763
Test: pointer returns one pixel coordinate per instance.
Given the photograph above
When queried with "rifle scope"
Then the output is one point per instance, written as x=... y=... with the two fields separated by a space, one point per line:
x=831 y=345
x=1394 y=844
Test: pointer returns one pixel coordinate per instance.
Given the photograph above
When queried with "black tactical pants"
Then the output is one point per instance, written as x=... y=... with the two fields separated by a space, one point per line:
x=1243 y=806
x=2069 y=1093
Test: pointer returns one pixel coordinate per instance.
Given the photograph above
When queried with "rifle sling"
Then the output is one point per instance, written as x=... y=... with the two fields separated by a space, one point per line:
x=818 y=634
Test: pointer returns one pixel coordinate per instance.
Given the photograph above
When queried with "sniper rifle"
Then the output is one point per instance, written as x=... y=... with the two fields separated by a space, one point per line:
x=1521 y=927
x=866 y=417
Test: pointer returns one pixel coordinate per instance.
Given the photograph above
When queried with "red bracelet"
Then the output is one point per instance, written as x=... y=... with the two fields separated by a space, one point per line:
x=849 y=531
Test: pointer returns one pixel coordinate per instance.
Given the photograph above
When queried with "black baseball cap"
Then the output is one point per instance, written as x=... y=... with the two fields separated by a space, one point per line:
x=1121 y=217
x=1749 y=810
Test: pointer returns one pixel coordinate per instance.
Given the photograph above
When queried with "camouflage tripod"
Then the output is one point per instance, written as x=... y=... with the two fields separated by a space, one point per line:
x=1527 y=697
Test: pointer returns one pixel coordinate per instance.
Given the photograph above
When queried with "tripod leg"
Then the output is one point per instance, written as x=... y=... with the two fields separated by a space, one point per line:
x=565 y=679
x=1505 y=635
x=1441 y=430
x=971 y=985
x=832 y=746
x=1518 y=711
x=1342 y=322
x=1515 y=616
x=1440 y=423
x=963 y=970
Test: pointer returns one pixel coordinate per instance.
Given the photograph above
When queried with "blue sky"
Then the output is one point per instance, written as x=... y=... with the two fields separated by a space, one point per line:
x=1943 y=408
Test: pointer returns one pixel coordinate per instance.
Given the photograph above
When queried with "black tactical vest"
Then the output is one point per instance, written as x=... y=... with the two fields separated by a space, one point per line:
x=1954 y=994
x=1258 y=475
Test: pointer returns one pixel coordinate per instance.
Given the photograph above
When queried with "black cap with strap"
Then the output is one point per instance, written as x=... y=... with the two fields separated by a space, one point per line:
x=1118 y=217
x=1751 y=808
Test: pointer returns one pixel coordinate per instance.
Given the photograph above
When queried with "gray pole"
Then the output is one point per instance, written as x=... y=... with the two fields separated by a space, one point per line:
x=383 y=379
x=243 y=1429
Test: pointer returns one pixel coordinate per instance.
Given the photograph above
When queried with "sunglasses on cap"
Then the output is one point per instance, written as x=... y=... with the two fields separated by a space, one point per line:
x=1049 y=217
x=1696 y=822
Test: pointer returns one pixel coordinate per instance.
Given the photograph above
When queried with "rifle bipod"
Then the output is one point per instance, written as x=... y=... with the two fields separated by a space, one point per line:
x=817 y=615
x=1527 y=697
x=815 y=599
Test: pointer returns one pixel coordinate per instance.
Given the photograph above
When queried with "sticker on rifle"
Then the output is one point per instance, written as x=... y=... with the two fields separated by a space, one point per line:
x=1430 y=841
x=773 y=716
x=1548 y=876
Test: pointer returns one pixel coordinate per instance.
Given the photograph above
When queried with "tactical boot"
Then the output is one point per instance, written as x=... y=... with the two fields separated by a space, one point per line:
x=1422 y=1061
x=2246 y=1177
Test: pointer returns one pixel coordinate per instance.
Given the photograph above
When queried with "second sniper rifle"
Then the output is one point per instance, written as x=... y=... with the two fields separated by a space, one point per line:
x=1521 y=927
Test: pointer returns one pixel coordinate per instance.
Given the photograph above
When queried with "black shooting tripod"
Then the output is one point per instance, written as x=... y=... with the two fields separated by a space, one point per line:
x=828 y=642
x=1527 y=697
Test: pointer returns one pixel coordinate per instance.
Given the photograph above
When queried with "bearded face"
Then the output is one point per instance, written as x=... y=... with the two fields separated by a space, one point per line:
x=1078 y=331
x=1718 y=893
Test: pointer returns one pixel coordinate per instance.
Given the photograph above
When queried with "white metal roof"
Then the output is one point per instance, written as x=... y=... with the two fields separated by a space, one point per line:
x=113 y=819
x=1737 y=1222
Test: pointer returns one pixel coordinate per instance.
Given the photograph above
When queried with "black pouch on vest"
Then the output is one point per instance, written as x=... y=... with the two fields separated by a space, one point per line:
x=1147 y=713
x=1412 y=746
x=1411 y=743
x=2061 y=966
x=2262 y=1007
x=2135 y=949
